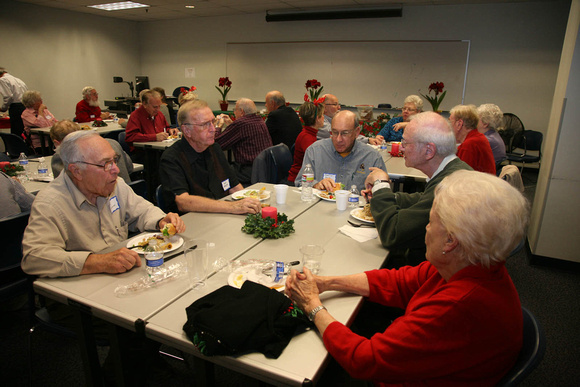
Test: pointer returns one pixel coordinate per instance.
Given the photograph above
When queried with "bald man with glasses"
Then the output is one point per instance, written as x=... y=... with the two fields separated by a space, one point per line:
x=85 y=211
x=340 y=158
x=194 y=171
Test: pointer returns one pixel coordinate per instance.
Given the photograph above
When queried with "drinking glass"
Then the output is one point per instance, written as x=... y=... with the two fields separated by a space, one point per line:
x=196 y=256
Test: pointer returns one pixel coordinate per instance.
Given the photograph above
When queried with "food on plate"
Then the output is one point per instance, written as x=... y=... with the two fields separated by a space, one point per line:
x=168 y=230
x=161 y=242
x=173 y=137
x=85 y=127
x=327 y=195
x=252 y=193
x=365 y=213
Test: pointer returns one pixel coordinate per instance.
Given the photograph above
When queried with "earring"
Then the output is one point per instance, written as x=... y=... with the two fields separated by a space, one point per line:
x=443 y=252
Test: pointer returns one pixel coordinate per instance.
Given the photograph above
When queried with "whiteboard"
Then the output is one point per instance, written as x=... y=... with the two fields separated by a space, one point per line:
x=357 y=72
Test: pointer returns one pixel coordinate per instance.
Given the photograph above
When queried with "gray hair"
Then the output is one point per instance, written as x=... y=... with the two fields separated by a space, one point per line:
x=70 y=151
x=31 y=97
x=432 y=128
x=185 y=110
x=486 y=233
x=415 y=100
x=467 y=113
x=147 y=94
x=491 y=115
x=87 y=91
x=247 y=106
x=277 y=98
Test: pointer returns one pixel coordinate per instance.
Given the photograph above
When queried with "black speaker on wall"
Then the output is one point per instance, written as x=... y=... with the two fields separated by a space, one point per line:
x=280 y=16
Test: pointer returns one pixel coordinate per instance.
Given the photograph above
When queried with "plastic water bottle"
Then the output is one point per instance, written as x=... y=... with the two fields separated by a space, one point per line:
x=42 y=168
x=154 y=258
x=307 y=183
x=383 y=145
x=23 y=162
x=353 y=197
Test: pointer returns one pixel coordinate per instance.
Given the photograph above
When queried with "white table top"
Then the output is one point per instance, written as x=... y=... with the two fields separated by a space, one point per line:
x=155 y=144
x=305 y=354
x=111 y=127
x=33 y=186
x=396 y=167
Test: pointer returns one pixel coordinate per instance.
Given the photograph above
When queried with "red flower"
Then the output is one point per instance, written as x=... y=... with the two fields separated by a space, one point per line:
x=318 y=101
x=306 y=99
x=437 y=86
x=224 y=82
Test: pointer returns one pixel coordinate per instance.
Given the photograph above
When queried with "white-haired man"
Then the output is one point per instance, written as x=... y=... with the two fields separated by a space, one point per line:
x=429 y=145
x=247 y=137
x=88 y=108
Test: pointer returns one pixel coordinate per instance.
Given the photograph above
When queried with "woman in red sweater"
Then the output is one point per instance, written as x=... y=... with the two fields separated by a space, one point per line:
x=313 y=118
x=463 y=320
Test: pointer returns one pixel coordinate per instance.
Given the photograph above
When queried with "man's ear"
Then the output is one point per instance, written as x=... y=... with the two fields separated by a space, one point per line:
x=430 y=150
x=75 y=171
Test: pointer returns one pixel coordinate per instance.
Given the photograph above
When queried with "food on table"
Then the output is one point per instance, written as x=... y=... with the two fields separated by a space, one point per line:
x=173 y=137
x=161 y=242
x=85 y=127
x=327 y=195
x=365 y=213
x=252 y=193
x=168 y=230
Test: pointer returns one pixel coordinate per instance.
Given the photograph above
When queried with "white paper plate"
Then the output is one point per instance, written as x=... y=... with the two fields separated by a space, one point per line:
x=245 y=193
x=356 y=213
x=176 y=242
x=238 y=277
x=321 y=195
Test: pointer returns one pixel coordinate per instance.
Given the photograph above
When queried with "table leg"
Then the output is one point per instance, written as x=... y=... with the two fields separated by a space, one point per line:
x=204 y=372
x=88 y=348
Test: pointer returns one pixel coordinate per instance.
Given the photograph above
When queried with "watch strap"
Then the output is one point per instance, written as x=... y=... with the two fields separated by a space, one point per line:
x=314 y=311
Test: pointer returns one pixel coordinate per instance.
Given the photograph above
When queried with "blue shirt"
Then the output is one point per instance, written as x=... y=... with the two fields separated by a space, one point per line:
x=349 y=170
x=389 y=133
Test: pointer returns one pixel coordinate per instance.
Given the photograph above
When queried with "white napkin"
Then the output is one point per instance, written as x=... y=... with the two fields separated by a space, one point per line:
x=359 y=234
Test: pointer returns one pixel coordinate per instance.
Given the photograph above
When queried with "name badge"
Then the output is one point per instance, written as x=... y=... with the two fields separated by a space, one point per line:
x=114 y=204
x=92 y=116
x=331 y=176
x=226 y=184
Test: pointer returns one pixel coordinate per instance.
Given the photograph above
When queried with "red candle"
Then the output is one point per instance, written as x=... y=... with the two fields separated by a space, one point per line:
x=270 y=212
x=395 y=149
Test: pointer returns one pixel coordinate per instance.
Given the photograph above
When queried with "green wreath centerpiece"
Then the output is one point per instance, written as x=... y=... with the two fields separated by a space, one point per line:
x=98 y=123
x=266 y=228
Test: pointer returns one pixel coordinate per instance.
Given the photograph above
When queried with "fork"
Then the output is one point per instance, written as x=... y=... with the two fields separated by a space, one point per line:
x=360 y=224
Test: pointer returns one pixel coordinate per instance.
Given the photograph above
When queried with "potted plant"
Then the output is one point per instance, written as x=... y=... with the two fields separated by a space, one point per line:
x=225 y=84
x=435 y=101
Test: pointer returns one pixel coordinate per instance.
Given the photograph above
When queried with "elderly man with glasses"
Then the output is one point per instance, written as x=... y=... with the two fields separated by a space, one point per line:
x=341 y=159
x=194 y=171
x=85 y=211
x=428 y=144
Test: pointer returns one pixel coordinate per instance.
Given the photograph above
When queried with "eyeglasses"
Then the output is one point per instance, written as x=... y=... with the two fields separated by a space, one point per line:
x=107 y=166
x=205 y=125
x=331 y=104
x=406 y=109
x=344 y=133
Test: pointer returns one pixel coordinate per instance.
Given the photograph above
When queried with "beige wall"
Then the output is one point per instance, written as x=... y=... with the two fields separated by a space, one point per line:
x=59 y=52
x=515 y=50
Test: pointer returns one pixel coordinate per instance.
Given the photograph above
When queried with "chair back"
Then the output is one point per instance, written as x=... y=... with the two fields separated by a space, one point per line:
x=15 y=145
x=159 y=198
x=121 y=139
x=272 y=165
x=139 y=187
x=531 y=354
x=512 y=125
x=13 y=281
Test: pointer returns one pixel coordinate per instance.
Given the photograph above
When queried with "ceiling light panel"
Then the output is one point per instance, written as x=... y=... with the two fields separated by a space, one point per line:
x=119 y=6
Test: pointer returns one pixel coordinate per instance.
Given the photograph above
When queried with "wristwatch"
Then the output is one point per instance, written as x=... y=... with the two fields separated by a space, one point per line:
x=381 y=181
x=314 y=311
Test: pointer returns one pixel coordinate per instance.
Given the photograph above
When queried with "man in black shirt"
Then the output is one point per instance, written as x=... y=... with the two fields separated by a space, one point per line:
x=283 y=122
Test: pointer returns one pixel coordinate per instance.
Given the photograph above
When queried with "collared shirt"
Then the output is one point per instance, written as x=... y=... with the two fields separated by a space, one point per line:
x=65 y=228
x=247 y=137
x=141 y=127
x=13 y=197
x=85 y=112
x=11 y=89
x=349 y=170
x=32 y=119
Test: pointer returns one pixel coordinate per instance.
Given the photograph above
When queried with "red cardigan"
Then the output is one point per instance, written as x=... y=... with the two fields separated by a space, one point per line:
x=467 y=331
x=85 y=112
x=476 y=151
x=143 y=128
x=305 y=138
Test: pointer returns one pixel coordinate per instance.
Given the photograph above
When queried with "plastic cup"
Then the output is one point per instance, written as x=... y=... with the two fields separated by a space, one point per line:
x=196 y=256
x=281 y=192
x=341 y=199
x=312 y=257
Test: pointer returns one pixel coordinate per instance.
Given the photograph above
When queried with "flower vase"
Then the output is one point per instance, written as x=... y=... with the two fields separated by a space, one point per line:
x=223 y=105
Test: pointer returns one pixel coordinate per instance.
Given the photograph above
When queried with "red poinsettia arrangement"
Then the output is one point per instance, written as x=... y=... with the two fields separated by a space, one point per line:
x=225 y=85
x=312 y=86
x=185 y=91
x=435 y=101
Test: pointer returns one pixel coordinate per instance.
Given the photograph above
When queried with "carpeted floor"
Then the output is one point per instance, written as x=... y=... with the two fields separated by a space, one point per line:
x=551 y=294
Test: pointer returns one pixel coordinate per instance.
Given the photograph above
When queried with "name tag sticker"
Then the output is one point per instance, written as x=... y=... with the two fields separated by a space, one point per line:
x=331 y=176
x=114 y=204
x=226 y=184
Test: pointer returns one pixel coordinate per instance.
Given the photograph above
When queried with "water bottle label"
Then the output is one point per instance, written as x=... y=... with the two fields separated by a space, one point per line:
x=279 y=271
x=43 y=171
x=309 y=178
x=353 y=199
x=23 y=162
x=155 y=262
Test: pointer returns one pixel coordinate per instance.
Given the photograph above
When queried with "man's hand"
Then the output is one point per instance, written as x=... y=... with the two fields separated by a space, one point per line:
x=173 y=131
x=161 y=136
x=118 y=261
x=41 y=109
x=174 y=219
x=246 y=206
x=376 y=174
x=326 y=184
x=105 y=115
x=378 y=140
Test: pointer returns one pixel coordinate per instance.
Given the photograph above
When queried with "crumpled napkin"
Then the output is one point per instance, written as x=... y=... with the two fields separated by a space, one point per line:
x=359 y=234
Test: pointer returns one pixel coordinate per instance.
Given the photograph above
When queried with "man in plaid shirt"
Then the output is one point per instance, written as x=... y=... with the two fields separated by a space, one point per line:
x=247 y=136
